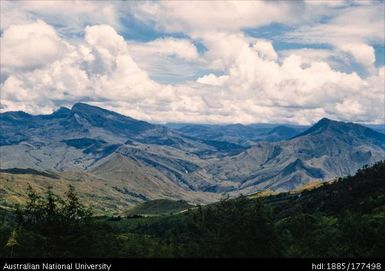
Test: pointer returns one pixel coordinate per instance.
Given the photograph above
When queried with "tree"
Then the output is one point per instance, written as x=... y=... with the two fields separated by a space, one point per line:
x=51 y=224
x=232 y=228
x=74 y=212
x=12 y=242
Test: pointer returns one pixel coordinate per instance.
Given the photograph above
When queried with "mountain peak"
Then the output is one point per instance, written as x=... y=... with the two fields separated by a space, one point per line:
x=112 y=121
x=82 y=106
x=344 y=129
x=15 y=115
x=320 y=126
x=325 y=121
x=62 y=111
x=87 y=110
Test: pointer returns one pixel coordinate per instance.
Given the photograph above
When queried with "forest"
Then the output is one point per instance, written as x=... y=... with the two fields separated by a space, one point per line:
x=343 y=218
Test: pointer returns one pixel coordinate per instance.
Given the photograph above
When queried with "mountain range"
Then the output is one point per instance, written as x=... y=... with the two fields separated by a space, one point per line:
x=245 y=135
x=124 y=161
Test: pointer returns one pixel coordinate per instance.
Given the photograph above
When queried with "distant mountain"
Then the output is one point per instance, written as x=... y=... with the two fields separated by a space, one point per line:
x=362 y=192
x=80 y=136
x=88 y=122
x=281 y=133
x=245 y=135
x=377 y=127
x=149 y=160
x=138 y=161
x=326 y=150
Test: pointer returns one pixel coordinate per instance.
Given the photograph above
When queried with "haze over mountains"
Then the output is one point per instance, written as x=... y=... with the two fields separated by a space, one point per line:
x=245 y=135
x=127 y=160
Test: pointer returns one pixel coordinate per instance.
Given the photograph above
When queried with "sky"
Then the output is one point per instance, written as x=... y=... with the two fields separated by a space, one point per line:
x=197 y=62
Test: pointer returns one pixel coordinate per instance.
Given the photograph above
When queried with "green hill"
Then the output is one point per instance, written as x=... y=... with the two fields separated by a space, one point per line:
x=344 y=218
x=159 y=207
x=363 y=192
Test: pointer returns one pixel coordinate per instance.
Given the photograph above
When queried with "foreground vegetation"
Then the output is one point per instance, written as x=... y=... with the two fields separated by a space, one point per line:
x=342 y=219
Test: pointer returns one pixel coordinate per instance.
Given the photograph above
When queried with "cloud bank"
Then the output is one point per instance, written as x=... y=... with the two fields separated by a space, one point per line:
x=222 y=74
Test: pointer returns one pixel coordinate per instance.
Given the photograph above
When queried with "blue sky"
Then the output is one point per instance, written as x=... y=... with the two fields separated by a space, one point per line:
x=191 y=61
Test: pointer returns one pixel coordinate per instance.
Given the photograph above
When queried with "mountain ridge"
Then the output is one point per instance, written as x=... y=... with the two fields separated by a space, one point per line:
x=86 y=137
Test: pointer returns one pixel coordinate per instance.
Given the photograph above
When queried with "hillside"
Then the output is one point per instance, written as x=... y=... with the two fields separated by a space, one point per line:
x=343 y=219
x=105 y=195
x=327 y=150
x=143 y=161
x=364 y=192
x=159 y=207
x=244 y=135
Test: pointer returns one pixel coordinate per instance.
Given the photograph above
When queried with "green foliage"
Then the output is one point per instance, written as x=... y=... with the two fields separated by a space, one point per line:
x=342 y=219
x=159 y=207
x=232 y=228
x=49 y=226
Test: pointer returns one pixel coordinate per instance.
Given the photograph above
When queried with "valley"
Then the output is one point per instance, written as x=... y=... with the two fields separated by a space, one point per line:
x=343 y=218
x=115 y=161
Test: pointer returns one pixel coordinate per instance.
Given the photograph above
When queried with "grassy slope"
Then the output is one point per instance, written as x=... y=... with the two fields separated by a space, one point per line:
x=93 y=191
x=159 y=207
x=344 y=218
x=108 y=196
x=363 y=192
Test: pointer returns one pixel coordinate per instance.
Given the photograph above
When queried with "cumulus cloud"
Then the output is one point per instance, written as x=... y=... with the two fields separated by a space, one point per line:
x=354 y=24
x=180 y=48
x=265 y=50
x=256 y=87
x=29 y=46
x=203 y=16
x=309 y=55
x=213 y=80
x=351 y=29
x=293 y=89
x=99 y=67
x=236 y=78
x=69 y=16
x=362 y=53
x=170 y=58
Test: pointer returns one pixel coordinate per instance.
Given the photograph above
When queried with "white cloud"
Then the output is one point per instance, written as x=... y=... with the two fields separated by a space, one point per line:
x=335 y=58
x=69 y=16
x=362 y=53
x=357 y=24
x=348 y=26
x=213 y=80
x=296 y=89
x=350 y=106
x=13 y=90
x=334 y=3
x=180 y=48
x=255 y=88
x=30 y=46
x=309 y=55
x=265 y=50
x=168 y=58
x=258 y=83
x=100 y=68
x=350 y=29
x=111 y=69
x=203 y=16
